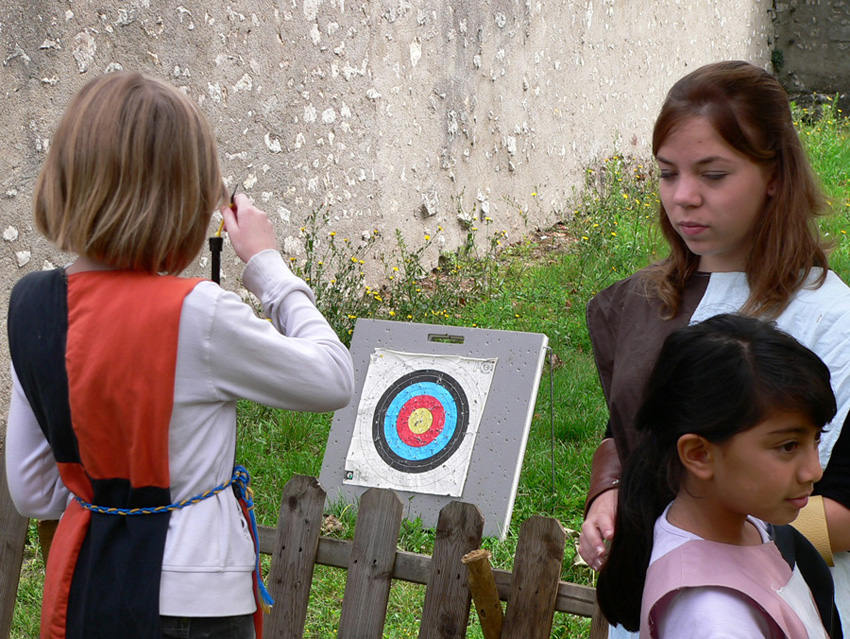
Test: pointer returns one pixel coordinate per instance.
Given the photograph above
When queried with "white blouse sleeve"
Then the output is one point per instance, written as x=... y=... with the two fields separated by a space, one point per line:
x=295 y=362
x=33 y=477
x=710 y=612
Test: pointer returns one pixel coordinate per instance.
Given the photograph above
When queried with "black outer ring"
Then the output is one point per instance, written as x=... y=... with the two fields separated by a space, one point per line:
x=394 y=460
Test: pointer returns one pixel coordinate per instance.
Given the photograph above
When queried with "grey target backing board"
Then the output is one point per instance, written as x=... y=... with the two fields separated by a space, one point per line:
x=485 y=384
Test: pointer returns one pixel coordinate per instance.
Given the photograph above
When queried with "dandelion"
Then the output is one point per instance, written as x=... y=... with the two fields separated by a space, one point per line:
x=395 y=268
x=333 y=281
x=354 y=259
x=392 y=313
x=595 y=225
x=584 y=237
x=534 y=194
x=291 y=259
x=625 y=195
x=361 y=261
x=352 y=317
x=427 y=237
x=320 y=262
x=613 y=234
x=332 y=233
x=346 y=239
x=410 y=317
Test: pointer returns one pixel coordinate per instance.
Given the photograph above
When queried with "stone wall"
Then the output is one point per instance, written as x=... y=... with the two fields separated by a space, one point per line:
x=812 y=45
x=395 y=113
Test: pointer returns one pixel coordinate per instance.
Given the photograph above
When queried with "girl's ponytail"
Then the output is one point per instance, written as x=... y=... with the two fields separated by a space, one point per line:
x=645 y=490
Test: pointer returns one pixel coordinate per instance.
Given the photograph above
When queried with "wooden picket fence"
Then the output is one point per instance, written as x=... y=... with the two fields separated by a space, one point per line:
x=533 y=591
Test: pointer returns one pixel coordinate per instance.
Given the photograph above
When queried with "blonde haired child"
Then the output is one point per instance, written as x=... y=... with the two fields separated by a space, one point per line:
x=126 y=377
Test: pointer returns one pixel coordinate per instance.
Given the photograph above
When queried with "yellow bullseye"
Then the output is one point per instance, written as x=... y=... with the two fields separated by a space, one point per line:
x=420 y=421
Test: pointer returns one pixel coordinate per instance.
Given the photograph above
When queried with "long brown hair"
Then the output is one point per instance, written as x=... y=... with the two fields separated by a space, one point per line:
x=749 y=109
x=132 y=176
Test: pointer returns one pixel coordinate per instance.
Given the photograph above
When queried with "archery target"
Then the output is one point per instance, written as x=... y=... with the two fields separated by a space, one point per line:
x=420 y=421
x=417 y=421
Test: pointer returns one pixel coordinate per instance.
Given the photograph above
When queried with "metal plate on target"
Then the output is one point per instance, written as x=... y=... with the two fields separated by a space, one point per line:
x=440 y=413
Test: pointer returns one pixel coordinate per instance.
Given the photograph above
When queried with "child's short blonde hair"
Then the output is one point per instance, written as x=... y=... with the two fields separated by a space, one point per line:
x=132 y=176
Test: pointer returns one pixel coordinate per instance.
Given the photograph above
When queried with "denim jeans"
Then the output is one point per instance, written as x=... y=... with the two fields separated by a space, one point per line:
x=241 y=627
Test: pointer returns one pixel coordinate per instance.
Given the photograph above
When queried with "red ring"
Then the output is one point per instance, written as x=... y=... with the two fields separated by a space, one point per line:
x=438 y=415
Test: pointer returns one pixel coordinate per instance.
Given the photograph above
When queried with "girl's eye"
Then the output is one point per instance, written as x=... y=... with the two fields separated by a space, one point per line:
x=788 y=447
x=715 y=176
x=666 y=175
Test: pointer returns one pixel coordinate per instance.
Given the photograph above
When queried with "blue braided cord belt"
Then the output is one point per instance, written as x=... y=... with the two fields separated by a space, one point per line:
x=240 y=479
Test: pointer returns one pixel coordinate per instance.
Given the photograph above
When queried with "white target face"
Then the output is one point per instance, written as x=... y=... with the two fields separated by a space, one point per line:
x=417 y=421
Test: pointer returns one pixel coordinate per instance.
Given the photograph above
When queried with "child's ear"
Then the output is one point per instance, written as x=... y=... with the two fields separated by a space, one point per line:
x=695 y=453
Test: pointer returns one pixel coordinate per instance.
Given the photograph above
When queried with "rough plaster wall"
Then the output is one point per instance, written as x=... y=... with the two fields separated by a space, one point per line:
x=813 y=42
x=394 y=112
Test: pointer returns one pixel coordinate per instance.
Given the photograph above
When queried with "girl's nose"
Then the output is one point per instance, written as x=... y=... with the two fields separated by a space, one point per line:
x=686 y=192
x=811 y=470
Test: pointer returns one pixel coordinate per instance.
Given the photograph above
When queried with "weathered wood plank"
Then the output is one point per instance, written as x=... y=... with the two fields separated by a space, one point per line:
x=294 y=556
x=534 y=589
x=598 y=626
x=13 y=537
x=370 y=571
x=415 y=568
x=445 y=612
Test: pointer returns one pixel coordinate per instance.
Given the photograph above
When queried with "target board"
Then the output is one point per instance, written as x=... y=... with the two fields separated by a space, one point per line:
x=439 y=413
x=417 y=421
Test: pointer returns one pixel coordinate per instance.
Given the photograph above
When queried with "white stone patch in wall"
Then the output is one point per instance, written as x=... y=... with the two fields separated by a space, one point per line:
x=52 y=80
x=309 y=113
x=84 y=50
x=241 y=155
x=42 y=145
x=244 y=84
x=214 y=91
x=11 y=193
x=50 y=44
x=265 y=196
x=311 y=9
x=112 y=67
x=203 y=261
x=510 y=144
x=340 y=50
x=333 y=27
x=328 y=116
x=501 y=20
x=476 y=61
x=47 y=265
x=300 y=140
x=313 y=184
x=10 y=234
x=373 y=94
x=415 y=52
x=249 y=181
x=272 y=144
x=23 y=258
x=349 y=71
x=315 y=34
x=284 y=213
x=69 y=15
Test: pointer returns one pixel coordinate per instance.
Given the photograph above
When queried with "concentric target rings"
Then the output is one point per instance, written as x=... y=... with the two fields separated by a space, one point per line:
x=420 y=421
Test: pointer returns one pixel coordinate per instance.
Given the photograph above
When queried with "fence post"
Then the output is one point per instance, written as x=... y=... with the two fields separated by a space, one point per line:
x=13 y=536
x=445 y=613
x=370 y=572
x=293 y=556
x=534 y=587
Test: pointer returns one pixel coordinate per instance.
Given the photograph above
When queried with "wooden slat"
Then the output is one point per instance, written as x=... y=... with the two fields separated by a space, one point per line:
x=415 y=568
x=370 y=571
x=598 y=626
x=13 y=537
x=294 y=556
x=445 y=613
x=534 y=589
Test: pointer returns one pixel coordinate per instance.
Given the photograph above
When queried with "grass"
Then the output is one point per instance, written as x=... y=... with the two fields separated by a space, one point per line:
x=539 y=285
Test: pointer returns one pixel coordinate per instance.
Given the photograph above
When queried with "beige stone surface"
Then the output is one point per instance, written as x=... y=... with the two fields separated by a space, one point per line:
x=395 y=113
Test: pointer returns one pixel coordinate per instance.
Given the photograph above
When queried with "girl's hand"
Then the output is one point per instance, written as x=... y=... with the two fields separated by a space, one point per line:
x=249 y=228
x=598 y=527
